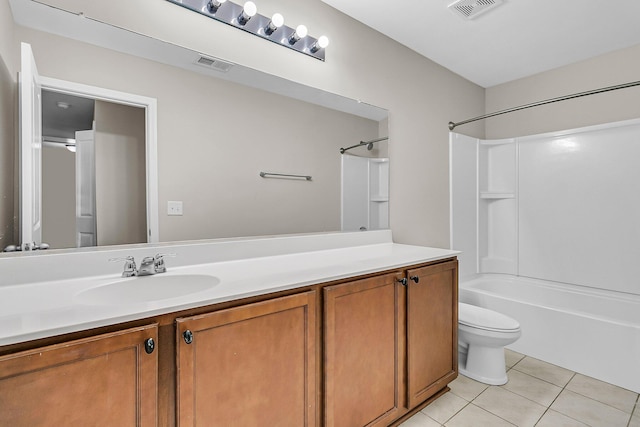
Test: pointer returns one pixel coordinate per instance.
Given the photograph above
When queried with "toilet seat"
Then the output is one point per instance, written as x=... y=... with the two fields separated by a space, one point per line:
x=489 y=320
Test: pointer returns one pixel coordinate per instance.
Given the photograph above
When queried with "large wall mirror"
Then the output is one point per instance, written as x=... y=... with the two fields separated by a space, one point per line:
x=219 y=125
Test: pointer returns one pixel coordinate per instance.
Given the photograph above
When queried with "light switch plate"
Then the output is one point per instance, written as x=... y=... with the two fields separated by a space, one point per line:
x=174 y=208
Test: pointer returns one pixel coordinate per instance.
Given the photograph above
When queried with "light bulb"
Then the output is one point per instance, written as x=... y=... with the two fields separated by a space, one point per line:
x=321 y=43
x=276 y=22
x=302 y=31
x=299 y=33
x=248 y=11
x=250 y=8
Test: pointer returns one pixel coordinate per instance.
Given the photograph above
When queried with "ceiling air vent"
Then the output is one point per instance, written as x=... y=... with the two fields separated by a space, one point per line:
x=469 y=9
x=214 y=64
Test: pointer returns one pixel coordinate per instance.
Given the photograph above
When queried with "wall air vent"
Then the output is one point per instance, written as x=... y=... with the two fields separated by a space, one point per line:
x=469 y=9
x=214 y=64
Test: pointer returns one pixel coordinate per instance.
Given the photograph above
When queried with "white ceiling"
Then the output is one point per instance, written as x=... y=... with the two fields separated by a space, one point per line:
x=516 y=39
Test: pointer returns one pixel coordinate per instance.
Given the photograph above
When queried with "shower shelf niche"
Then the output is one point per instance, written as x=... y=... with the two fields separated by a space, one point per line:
x=379 y=192
x=498 y=206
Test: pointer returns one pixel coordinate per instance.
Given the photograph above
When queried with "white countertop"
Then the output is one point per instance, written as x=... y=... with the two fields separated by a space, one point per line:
x=39 y=309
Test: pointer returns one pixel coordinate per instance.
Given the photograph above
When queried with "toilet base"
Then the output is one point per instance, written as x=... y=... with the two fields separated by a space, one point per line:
x=484 y=380
x=483 y=364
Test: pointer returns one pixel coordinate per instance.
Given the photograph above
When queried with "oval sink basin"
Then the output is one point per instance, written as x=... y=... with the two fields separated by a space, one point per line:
x=142 y=289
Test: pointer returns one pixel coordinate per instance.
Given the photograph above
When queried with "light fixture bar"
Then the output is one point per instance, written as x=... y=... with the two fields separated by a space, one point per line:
x=264 y=27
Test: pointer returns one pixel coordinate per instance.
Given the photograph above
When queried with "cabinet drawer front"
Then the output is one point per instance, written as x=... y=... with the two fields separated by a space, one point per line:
x=364 y=361
x=104 y=380
x=250 y=365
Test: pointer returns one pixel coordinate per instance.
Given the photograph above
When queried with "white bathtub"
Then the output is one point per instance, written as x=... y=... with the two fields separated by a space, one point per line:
x=596 y=333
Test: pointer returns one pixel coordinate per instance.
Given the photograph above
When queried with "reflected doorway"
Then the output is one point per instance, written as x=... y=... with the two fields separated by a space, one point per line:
x=93 y=172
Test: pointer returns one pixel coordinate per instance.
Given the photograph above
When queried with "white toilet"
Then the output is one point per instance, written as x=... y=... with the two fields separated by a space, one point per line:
x=482 y=336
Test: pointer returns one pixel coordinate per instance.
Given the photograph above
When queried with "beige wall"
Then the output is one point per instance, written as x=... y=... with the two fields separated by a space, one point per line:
x=8 y=105
x=58 y=197
x=618 y=67
x=422 y=97
x=121 y=214
x=7 y=46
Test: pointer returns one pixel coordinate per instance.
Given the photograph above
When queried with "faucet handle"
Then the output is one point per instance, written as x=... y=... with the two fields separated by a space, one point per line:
x=130 y=268
x=166 y=255
x=159 y=262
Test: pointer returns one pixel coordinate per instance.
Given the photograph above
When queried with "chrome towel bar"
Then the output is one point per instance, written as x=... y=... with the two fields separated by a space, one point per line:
x=283 y=175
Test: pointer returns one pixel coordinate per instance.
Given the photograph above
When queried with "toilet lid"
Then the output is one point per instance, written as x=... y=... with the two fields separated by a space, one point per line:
x=482 y=318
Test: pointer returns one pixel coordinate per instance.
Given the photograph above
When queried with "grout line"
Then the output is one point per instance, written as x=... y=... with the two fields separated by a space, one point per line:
x=542 y=379
x=556 y=398
x=498 y=416
x=449 y=419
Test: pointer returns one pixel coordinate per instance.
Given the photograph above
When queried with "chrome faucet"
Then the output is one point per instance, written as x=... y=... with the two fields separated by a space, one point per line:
x=150 y=265
x=130 y=269
x=153 y=265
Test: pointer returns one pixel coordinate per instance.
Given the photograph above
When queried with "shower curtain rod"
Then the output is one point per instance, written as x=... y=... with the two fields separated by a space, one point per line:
x=453 y=125
x=342 y=150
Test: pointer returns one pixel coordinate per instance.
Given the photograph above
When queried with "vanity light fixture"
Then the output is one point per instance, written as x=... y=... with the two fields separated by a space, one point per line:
x=214 y=5
x=300 y=33
x=276 y=22
x=247 y=18
x=249 y=10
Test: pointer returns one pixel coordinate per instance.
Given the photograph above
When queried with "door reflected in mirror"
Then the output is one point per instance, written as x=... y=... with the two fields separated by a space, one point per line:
x=93 y=172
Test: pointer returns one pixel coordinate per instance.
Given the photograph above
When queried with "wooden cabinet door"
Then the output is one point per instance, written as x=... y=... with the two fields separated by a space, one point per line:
x=432 y=329
x=364 y=352
x=106 y=380
x=253 y=365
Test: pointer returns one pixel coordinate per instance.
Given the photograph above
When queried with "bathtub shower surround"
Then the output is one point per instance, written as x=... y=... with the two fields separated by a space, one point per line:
x=548 y=225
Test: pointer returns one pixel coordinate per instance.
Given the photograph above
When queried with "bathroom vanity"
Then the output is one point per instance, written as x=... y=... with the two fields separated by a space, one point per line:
x=338 y=329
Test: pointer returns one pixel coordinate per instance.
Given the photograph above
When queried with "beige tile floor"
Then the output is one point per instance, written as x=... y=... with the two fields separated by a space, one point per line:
x=537 y=394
